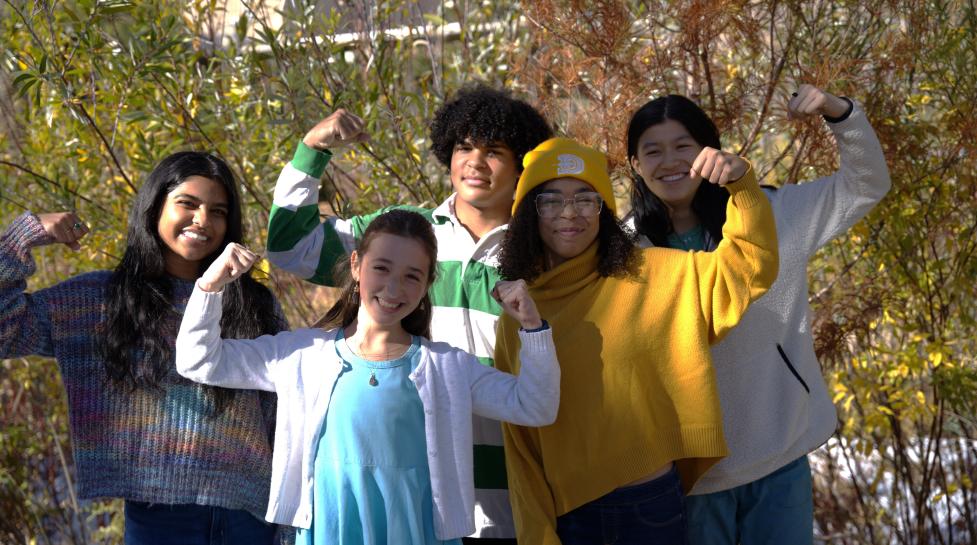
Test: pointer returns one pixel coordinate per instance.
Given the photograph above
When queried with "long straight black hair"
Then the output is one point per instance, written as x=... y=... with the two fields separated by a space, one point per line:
x=403 y=223
x=709 y=203
x=136 y=352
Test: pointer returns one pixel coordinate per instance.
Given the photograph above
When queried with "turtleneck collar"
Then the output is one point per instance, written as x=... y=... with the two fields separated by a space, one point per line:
x=568 y=277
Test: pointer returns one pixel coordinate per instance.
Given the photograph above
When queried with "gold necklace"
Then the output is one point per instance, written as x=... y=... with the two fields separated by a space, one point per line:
x=386 y=355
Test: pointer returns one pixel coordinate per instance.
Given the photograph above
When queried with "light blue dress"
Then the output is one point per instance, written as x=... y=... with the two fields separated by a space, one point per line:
x=371 y=480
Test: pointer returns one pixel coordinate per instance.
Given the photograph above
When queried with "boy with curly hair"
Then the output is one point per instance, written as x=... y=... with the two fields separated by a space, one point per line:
x=480 y=135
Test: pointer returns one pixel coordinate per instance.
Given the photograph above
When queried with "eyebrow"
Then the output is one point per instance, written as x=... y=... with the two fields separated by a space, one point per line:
x=198 y=199
x=680 y=138
x=387 y=261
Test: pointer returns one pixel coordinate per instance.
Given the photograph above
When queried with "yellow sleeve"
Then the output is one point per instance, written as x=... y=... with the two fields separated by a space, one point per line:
x=533 y=508
x=744 y=264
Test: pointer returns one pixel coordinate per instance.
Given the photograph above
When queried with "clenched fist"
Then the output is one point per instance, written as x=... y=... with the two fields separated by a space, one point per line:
x=516 y=302
x=718 y=167
x=809 y=100
x=64 y=227
x=234 y=261
x=341 y=128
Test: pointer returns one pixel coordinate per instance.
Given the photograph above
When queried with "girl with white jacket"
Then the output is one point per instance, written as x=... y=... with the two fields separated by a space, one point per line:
x=373 y=439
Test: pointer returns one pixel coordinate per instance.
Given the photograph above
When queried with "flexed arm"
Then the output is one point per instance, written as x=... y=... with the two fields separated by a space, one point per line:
x=746 y=262
x=202 y=355
x=824 y=208
x=298 y=240
x=25 y=321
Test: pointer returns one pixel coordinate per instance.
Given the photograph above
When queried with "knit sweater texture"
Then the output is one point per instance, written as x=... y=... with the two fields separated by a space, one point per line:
x=157 y=446
x=638 y=387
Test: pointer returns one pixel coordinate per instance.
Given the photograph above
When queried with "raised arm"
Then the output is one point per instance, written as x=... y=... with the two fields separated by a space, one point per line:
x=533 y=397
x=822 y=209
x=202 y=355
x=744 y=264
x=25 y=321
x=298 y=241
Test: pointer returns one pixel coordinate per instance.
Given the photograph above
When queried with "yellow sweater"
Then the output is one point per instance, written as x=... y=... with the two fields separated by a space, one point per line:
x=638 y=388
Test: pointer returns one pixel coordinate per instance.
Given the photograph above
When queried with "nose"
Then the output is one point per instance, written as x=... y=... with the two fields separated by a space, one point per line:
x=669 y=157
x=476 y=158
x=201 y=217
x=392 y=285
x=568 y=204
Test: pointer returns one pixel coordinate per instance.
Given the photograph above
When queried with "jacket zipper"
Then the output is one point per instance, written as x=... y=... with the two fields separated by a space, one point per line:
x=793 y=371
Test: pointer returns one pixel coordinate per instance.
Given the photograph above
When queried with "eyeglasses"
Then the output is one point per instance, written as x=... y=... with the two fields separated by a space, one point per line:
x=550 y=205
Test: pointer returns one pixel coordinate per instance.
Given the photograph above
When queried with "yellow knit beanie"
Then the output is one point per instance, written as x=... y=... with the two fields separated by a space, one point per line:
x=563 y=157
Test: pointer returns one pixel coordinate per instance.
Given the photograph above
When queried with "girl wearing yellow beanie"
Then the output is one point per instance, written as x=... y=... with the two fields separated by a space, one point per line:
x=639 y=418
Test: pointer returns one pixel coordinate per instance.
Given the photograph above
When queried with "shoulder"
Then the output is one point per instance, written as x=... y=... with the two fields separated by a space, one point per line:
x=439 y=349
x=94 y=280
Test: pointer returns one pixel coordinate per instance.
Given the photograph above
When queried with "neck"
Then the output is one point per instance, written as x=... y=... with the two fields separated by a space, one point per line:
x=479 y=221
x=683 y=219
x=376 y=341
x=185 y=270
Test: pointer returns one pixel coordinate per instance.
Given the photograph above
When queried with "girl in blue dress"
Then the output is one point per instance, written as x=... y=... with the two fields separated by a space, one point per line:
x=373 y=443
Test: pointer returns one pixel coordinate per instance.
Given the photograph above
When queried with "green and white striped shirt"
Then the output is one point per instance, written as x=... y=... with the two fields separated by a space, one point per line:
x=464 y=313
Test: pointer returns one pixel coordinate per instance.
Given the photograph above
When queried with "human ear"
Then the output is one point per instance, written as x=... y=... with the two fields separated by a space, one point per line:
x=354 y=265
x=635 y=164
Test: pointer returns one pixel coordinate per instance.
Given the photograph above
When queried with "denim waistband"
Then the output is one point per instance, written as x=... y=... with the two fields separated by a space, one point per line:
x=651 y=489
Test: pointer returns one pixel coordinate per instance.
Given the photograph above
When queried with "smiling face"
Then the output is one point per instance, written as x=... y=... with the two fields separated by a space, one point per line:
x=393 y=275
x=192 y=224
x=664 y=156
x=484 y=175
x=568 y=234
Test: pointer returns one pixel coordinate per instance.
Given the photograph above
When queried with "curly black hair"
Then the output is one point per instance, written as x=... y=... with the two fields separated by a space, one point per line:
x=484 y=114
x=521 y=256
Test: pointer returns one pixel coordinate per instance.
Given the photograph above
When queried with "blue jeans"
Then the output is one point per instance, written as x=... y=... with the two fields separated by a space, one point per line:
x=771 y=510
x=652 y=513
x=190 y=524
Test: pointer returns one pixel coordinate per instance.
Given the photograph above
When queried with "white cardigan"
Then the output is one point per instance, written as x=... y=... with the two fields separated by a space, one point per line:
x=302 y=366
x=776 y=406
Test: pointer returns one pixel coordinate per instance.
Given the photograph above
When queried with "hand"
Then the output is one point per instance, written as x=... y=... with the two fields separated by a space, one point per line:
x=341 y=128
x=809 y=100
x=718 y=167
x=64 y=227
x=234 y=261
x=516 y=302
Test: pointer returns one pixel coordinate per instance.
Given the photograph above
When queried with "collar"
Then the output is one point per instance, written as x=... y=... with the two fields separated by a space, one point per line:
x=568 y=277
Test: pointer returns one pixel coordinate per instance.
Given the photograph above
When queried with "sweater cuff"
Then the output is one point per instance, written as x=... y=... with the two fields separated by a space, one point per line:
x=844 y=116
x=310 y=160
x=537 y=341
x=26 y=231
x=746 y=191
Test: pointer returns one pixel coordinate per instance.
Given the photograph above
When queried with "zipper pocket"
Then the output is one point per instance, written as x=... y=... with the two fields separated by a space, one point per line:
x=793 y=371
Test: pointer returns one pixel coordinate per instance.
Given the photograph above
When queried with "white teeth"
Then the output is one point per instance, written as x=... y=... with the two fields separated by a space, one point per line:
x=385 y=304
x=194 y=235
x=673 y=177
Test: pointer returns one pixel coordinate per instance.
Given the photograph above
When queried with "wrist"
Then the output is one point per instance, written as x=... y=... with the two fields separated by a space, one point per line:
x=533 y=327
x=209 y=287
x=840 y=110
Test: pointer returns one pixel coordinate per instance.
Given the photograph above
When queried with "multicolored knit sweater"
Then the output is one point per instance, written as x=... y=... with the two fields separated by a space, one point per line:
x=157 y=446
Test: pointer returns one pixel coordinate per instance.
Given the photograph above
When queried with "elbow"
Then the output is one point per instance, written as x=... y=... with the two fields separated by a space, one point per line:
x=191 y=364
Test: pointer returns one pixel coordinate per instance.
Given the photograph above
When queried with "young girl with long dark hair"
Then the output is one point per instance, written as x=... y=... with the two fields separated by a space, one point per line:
x=776 y=407
x=374 y=420
x=632 y=328
x=192 y=462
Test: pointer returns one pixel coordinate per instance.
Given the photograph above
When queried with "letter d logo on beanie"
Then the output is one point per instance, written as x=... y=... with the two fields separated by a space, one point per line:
x=563 y=157
x=569 y=164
